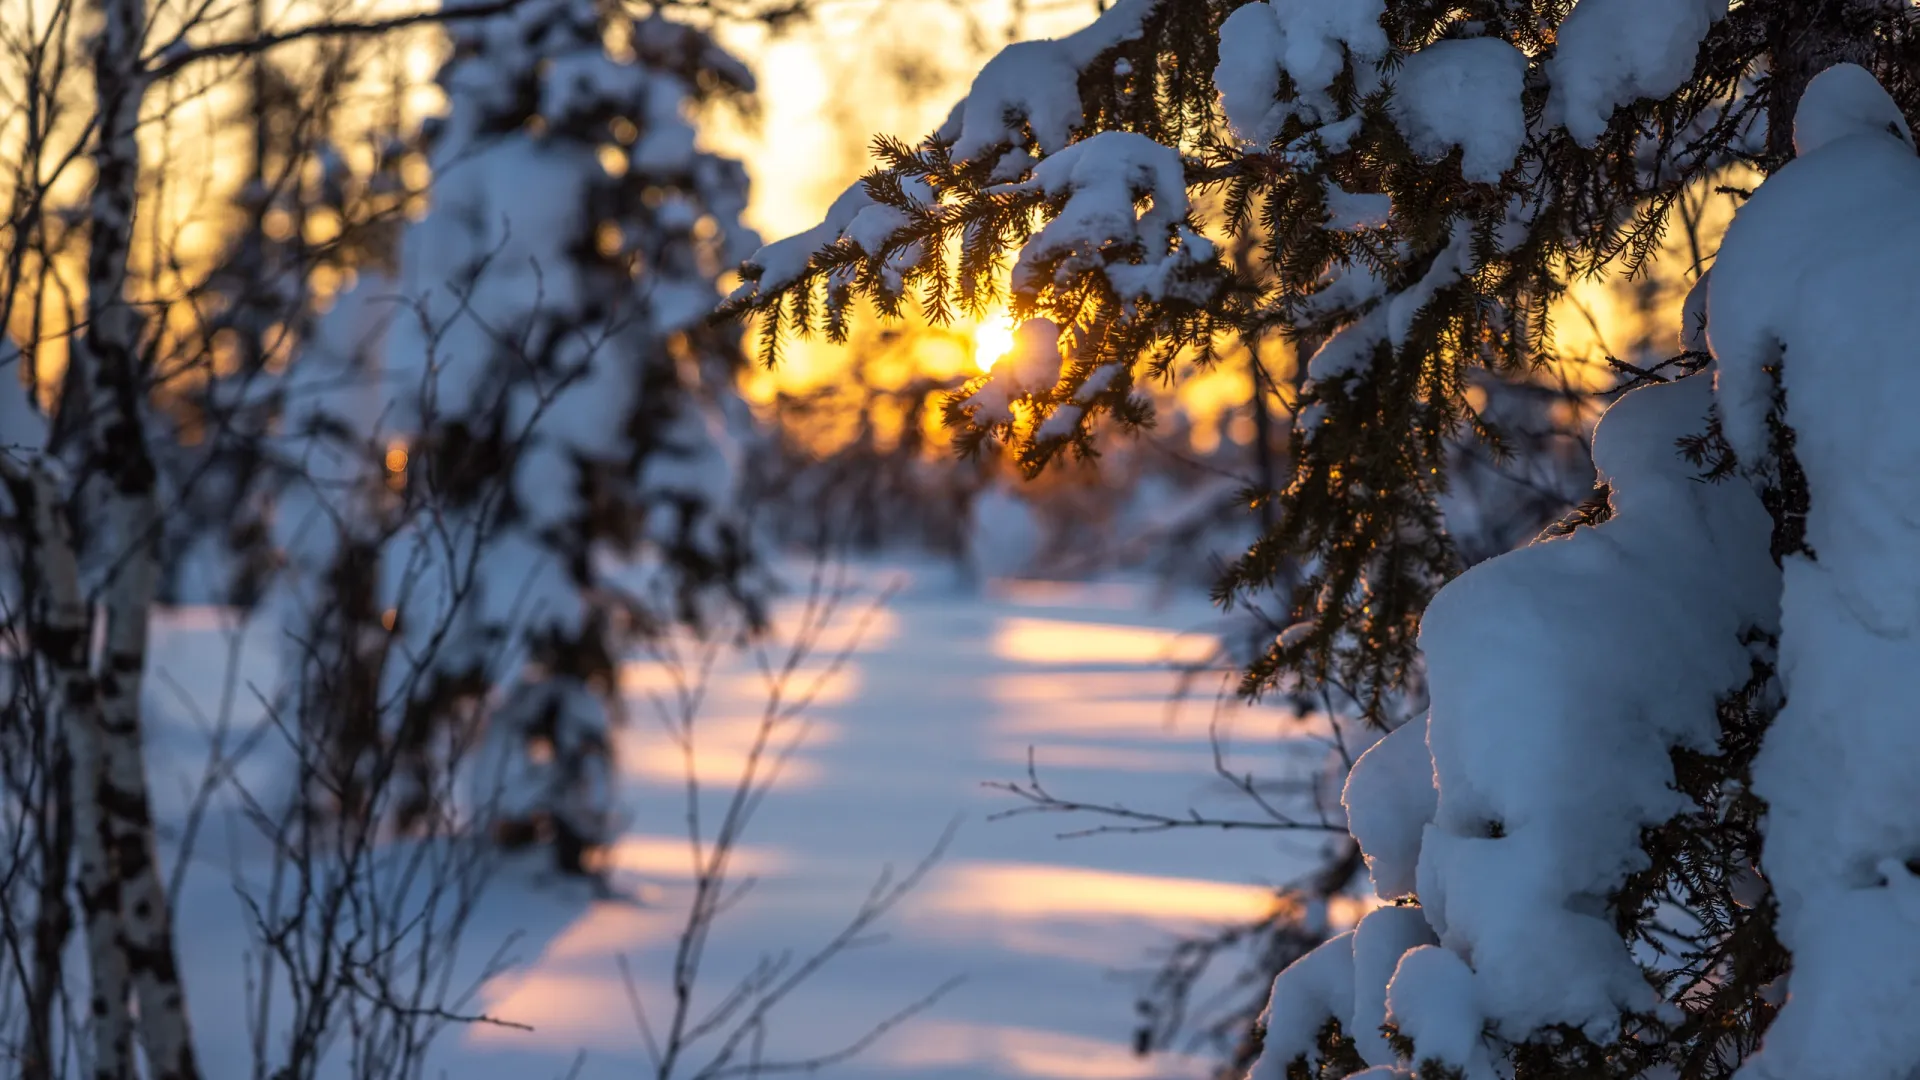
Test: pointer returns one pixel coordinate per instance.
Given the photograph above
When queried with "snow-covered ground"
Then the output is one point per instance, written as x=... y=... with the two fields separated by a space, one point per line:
x=946 y=689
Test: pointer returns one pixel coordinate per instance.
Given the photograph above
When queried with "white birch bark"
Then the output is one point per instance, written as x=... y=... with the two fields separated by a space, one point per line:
x=62 y=638
x=113 y=395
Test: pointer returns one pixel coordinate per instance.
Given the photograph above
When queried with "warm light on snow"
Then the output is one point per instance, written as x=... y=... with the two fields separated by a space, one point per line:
x=1060 y=641
x=992 y=340
x=899 y=742
x=1024 y=891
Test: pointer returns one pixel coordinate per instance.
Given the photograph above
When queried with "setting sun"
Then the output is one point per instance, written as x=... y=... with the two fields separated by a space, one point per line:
x=992 y=339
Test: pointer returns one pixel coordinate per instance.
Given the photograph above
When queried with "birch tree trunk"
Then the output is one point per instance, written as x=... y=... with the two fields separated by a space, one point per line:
x=61 y=636
x=114 y=396
x=53 y=917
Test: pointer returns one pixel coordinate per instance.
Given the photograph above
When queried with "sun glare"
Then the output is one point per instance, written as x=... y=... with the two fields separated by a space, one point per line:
x=992 y=339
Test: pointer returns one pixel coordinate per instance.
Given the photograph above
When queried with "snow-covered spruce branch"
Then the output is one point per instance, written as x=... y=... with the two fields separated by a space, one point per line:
x=1646 y=872
x=1431 y=179
x=1423 y=182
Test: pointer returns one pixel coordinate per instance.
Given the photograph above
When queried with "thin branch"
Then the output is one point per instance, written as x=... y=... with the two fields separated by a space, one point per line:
x=1042 y=801
x=176 y=55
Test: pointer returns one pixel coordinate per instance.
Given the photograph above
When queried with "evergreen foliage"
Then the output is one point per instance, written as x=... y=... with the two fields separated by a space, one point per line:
x=1472 y=263
x=1424 y=181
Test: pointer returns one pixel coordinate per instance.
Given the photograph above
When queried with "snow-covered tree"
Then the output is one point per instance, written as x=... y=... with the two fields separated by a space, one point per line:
x=1646 y=829
x=1662 y=838
x=1423 y=180
x=565 y=424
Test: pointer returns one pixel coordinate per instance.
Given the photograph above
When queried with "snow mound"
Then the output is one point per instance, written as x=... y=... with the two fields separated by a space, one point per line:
x=1814 y=287
x=1346 y=980
x=1433 y=1001
x=1464 y=93
x=1380 y=942
x=1037 y=82
x=1548 y=763
x=1517 y=808
x=1310 y=40
x=1312 y=990
x=1611 y=53
x=1843 y=101
x=1390 y=798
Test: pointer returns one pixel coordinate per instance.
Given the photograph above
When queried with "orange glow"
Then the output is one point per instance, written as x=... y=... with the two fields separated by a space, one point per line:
x=1036 y=688
x=669 y=857
x=1347 y=911
x=396 y=456
x=614 y=160
x=1137 y=705
x=640 y=683
x=1029 y=891
x=608 y=239
x=1053 y=641
x=608 y=928
x=992 y=339
x=572 y=994
x=722 y=744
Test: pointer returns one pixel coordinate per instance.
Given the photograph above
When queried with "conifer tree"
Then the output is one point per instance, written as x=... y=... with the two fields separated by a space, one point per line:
x=1421 y=194
x=1645 y=829
x=566 y=423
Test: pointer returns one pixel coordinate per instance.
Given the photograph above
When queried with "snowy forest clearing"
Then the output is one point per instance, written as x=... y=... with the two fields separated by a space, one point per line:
x=945 y=689
x=460 y=410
